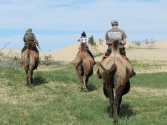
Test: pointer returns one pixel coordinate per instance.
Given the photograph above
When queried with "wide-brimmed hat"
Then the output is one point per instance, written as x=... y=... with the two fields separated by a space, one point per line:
x=114 y=22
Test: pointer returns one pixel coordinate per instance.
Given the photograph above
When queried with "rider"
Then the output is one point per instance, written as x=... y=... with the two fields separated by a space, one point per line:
x=30 y=37
x=84 y=39
x=116 y=34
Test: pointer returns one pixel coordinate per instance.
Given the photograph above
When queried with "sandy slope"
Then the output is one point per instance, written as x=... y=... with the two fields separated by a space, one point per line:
x=68 y=53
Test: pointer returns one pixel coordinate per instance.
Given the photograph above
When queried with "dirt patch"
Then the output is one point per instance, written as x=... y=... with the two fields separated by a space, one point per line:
x=150 y=91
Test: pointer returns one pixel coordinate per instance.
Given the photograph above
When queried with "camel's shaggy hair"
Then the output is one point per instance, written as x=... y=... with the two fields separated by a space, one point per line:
x=115 y=72
x=30 y=59
x=84 y=66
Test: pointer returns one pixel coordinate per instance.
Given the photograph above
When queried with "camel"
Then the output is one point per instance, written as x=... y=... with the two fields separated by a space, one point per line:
x=115 y=72
x=30 y=59
x=83 y=63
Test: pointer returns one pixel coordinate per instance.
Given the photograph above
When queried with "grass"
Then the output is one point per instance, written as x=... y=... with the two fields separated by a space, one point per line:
x=149 y=66
x=55 y=99
x=99 y=55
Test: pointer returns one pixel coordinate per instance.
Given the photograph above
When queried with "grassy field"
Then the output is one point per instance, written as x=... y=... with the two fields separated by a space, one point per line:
x=56 y=99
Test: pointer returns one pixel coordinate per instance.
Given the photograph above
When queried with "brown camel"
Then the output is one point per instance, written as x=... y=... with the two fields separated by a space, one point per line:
x=30 y=59
x=115 y=72
x=83 y=63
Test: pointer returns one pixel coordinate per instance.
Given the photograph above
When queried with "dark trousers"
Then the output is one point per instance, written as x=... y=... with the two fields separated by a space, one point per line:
x=90 y=54
x=34 y=48
x=121 y=49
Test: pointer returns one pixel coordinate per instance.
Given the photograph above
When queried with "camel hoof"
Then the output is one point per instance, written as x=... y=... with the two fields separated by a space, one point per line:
x=32 y=80
x=80 y=82
x=108 y=109
x=29 y=86
x=115 y=122
x=110 y=115
x=84 y=89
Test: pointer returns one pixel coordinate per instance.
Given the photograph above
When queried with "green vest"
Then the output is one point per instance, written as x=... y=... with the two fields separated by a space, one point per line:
x=30 y=37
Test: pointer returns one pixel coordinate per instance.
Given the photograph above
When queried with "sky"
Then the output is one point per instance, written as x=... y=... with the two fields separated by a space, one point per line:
x=59 y=23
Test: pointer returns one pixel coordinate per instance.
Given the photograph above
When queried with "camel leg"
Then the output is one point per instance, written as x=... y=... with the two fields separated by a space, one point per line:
x=117 y=103
x=110 y=94
x=84 y=83
x=127 y=88
x=79 y=75
x=30 y=77
x=80 y=78
x=87 y=79
x=125 y=91
x=27 y=75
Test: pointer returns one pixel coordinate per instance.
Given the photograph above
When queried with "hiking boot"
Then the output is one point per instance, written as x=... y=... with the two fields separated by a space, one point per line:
x=98 y=75
x=133 y=73
x=94 y=63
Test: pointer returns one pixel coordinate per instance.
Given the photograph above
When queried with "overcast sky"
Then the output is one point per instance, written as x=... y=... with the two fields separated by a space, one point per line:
x=59 y=23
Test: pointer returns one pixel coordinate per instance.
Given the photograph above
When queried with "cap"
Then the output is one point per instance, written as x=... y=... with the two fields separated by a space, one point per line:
x=114 y=22
x=30 y=30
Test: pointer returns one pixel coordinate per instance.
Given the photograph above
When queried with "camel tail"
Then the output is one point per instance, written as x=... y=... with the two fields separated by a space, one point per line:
x=28 y=59
x=112 y=69
x=78 y=62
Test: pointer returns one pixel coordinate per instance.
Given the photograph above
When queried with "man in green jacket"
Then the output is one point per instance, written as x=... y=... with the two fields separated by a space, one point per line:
x=30 y=37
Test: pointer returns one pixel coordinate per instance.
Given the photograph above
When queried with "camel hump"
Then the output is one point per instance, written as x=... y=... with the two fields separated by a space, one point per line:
x=83 y=47
x=30 y=46
x=115 y=47
x=112 y=69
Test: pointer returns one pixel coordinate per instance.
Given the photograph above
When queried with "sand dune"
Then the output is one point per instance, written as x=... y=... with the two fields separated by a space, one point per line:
x=68 y=53
x=161 y=45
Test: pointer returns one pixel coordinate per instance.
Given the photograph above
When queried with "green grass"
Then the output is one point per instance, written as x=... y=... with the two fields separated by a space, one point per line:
x=56 y=99
x=99 y=55
x=148 y=66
